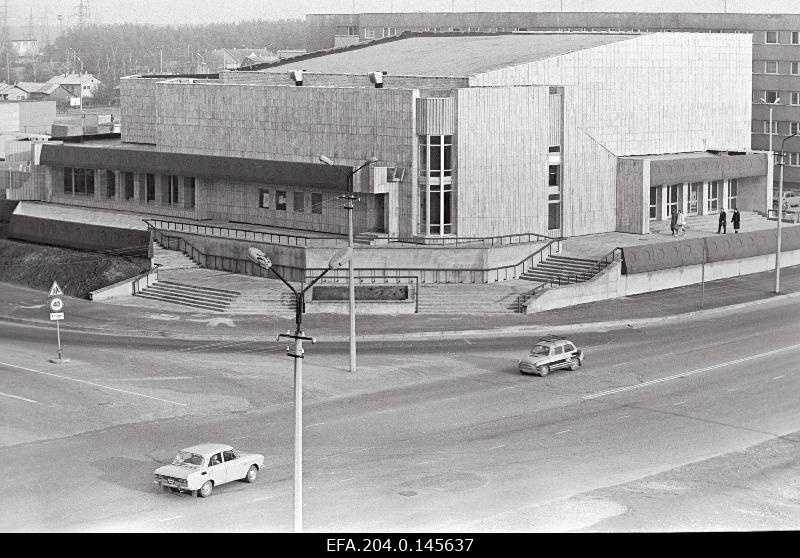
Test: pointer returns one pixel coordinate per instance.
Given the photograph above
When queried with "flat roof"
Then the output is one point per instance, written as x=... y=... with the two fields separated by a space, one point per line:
x=461 y=55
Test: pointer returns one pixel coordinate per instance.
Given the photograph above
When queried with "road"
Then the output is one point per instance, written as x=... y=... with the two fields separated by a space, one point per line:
x=433 y=436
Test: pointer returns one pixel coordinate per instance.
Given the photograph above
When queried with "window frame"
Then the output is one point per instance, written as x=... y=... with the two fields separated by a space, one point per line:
x=767 y=64
x=766 y=38
x=264 y=198
x=280 y=205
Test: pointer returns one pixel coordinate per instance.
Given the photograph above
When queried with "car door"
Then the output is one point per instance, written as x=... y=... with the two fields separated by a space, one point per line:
x=236 y=466
x=557 y=356
x=216 y=469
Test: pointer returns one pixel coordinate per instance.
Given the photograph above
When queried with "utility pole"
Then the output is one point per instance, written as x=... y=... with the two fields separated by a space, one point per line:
x=60 y=25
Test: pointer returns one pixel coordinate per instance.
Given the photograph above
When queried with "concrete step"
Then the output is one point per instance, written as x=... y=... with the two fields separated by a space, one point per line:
x=171 y=259
x=180 y=301
x=207 y=298
x=202 y=288
x=176 y=292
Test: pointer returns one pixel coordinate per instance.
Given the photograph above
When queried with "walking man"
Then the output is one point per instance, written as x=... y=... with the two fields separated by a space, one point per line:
x=735 y=220
x=681 y=222
x=723 y=225
x=673 y=223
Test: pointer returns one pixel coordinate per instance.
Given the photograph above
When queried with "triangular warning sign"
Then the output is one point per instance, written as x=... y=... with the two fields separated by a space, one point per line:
x=55 y=290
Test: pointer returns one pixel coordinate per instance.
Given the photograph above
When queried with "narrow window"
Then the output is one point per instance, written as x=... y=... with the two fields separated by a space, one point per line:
x=263 y=198
x=130 y=190
x=316 y=203
x=68 y=180
x=554 y=175
x=794 y=68
x=299 y=202
x=150 y=180
x=89 y=182
x=554 y=211
x=174 y=188
x=770 y=96
x=794 y=98
x=280 y=200
x=771 y=37
x=770 y=66
x=795 y=38
x=111 y=184
x=188 y=192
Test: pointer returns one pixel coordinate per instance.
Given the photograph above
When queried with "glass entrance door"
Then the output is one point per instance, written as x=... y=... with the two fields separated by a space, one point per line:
x=694 y=197
x=673 y=199
x=714 y=188
x=655 y=202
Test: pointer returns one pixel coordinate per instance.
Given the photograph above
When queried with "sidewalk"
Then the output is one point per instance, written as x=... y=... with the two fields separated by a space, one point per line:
x=23 y=305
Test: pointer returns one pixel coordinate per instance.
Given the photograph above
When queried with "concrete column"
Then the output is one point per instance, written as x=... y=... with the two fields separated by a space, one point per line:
x=100 y=184
x=723 y=196
x=685 y=198
x=664 y=199
x=704 y=201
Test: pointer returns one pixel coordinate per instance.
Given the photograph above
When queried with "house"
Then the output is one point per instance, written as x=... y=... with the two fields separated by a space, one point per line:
x=13 y=93
x=82 y=86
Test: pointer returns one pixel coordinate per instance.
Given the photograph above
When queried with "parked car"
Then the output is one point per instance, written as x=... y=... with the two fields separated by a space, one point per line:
x=203 y=467
x=551 y=353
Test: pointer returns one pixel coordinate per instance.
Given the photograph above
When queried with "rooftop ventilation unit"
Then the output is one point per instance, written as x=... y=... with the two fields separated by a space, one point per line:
x=297 y=76
x=377 y=79
x=395 y=174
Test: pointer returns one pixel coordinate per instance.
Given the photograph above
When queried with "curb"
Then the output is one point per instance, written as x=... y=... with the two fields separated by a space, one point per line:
x=506 y=331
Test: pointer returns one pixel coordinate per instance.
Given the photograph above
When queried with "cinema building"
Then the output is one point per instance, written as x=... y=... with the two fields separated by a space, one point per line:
x=474 y=136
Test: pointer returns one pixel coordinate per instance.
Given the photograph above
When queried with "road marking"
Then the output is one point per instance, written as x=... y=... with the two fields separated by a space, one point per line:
x=347 y=480
x=679 y=403
x=777 y=377
x=93 y=384
x=564 y=431
x=262 y=498
x=18 y=397
x=623 y=417
x=734 y=389
x=150 y=378
x=449 y=398
x=497 y=447
x=690 y=373
x=315 y=424
x=386 y=411
x=508 y=387
x=467 y=341
x=171 y=518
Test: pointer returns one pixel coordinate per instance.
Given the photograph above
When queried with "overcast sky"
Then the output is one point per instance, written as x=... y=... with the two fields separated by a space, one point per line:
x=204 y=11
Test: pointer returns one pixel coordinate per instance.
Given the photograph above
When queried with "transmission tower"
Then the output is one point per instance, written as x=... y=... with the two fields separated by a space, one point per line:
x=84 y=14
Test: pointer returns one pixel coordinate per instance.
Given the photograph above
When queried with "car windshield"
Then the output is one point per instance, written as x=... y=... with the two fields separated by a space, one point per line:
x=188 y=458
x=540 y=350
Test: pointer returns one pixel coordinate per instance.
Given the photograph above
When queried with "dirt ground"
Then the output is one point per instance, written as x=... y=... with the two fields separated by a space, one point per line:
x=77 y=272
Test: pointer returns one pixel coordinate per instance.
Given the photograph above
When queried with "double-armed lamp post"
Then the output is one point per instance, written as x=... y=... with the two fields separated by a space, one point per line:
x=261 y=260
x=349 y=199
x=782 y=163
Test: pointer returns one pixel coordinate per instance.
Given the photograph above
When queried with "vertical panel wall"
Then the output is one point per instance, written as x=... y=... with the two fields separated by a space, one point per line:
x=658 y=93
x=139 y=110
x=632 y=206
x=501 y=153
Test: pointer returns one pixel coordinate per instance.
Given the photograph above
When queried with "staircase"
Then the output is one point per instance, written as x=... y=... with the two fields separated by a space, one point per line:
x=370 y=238
x=171 y=259
x=562 y=269
x=203 y=298
x=480 y=298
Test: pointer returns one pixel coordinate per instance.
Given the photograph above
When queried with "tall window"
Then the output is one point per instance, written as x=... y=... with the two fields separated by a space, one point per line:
x=188 y=192
x=655 y=201
x=694 y=194
x=794 y=128
x=795 y=38
x=714 y=188
x=68 y=175
x=111 y=184
x=316 y=203
x=130 y=190
x=170 y=190
x=774 y=127
x=299 y=202
x=770 y=66
x=554 y=174
x=150 y=181
x=79 y=181
x=794 y=68
x=280 y=200
x=435 y=185
x=263 y=198
x=794 y=98
x=733 y=190
x=771 y=37
x=770 y=96
x=793 y=159
x=554 y=211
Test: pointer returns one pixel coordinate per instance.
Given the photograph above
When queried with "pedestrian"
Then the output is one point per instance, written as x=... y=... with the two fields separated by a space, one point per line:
x=736 y=220
x=673 y=223
x=723 y=226
x=681 y=222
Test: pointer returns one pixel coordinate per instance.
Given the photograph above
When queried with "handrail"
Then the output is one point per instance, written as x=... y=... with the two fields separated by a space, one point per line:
x=503 y=240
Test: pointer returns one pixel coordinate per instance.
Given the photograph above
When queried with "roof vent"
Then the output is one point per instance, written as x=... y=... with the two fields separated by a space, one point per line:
x=377 y=79
x=297 y=76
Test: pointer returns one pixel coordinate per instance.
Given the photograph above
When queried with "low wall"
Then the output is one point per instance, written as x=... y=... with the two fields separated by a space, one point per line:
x=611 y=283
x=126 y=287
x=362 y=307
x=82 y=236
x=7 y=208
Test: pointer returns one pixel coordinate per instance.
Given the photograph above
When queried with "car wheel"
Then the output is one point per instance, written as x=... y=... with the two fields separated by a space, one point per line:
x=544 y=370
x=251 y=475
x=573 y=364
x=206 y=489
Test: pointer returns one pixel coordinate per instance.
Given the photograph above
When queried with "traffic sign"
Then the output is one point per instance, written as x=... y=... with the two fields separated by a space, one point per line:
x=55 y=290
x=56 y=304
x=56 y=315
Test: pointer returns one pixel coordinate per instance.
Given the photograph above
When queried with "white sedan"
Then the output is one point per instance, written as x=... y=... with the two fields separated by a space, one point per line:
x=201 y=468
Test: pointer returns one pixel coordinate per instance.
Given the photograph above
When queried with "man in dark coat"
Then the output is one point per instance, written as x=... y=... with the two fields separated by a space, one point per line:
x=723 y=226
x=673 y=222
x=735 y=220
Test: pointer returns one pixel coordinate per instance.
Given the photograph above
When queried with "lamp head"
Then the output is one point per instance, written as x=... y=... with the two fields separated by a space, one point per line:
x=259 y=258
x=326 y=160
x=340 y=258
x=372 y=160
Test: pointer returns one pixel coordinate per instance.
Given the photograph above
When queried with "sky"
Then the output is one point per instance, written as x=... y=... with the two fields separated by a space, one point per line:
x=207 y=11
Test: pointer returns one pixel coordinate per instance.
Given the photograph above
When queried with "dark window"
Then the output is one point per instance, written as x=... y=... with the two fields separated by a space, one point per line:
x=68 y=180
x=150 y=180
x=80 y=181
x=89 y=182
x=554 y=175
x=169 y=190
x=111 y=184
x=188 y=192
x=280 y=200
x=263 y=198
x=130 y=190
x=554 y=212
x=229 y=455
x=316 y=203
x=299 y=202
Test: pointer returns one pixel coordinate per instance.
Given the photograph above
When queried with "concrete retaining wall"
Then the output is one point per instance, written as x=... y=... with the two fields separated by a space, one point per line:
x=371 y=307
x=82 y=236
x=126 y=287
x=611 y=283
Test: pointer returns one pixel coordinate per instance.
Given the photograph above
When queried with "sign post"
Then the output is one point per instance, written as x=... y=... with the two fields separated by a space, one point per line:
x=56 y=315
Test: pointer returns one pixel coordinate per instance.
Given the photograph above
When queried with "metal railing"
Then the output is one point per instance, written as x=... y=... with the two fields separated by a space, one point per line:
x=787 y=216
x=454 y=241
x=568 y=278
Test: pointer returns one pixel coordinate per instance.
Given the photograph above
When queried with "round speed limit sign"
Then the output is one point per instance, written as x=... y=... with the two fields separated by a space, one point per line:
x=56 y=305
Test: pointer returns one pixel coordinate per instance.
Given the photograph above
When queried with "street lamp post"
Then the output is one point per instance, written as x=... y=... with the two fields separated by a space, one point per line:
x=780 y=217
x=261 y=260
x=349 y=199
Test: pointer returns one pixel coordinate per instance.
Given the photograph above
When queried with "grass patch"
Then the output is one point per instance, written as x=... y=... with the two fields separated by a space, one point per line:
x=77 y=272
x=376 y=292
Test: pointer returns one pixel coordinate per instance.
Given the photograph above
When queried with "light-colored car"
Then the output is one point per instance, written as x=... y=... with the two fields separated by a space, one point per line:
x=551 y=353
x=203 y=467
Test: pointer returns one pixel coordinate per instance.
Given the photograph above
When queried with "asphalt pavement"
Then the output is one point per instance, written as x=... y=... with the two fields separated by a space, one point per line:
x=24 y=305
